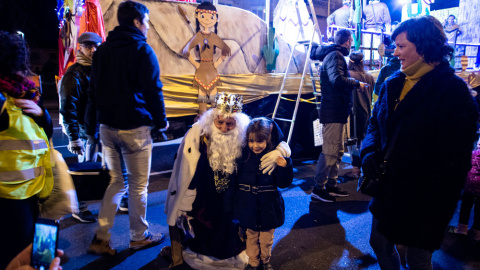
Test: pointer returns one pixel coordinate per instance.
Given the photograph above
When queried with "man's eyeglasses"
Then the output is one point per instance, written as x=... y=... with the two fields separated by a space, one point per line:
x=89 y=46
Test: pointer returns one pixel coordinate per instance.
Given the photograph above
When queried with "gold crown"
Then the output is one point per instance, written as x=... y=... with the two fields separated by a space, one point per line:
x=229 y=103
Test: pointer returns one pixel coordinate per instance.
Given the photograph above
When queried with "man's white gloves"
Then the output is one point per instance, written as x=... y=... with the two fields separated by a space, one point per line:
x=269 y=160
x=76 y=147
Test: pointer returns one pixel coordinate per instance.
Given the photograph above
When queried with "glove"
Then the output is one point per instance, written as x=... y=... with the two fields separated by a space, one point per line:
x=269 y=160
x=371 y=166
x=76 y=147
x=284 y=149
x=158 y=134
x=183 y=222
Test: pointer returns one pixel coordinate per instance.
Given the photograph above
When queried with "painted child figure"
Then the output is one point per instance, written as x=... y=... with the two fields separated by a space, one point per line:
x=258 y=205
x=206 y=76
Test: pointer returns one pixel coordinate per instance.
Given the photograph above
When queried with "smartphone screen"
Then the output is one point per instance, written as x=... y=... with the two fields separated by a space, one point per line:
x=45 y=242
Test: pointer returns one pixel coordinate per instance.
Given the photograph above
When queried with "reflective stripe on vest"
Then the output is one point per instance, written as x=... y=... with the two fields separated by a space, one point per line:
x=25 y=168
x=22 y=175
x=8 y=145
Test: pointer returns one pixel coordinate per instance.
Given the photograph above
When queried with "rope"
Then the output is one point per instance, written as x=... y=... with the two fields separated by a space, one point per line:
x=303 y=100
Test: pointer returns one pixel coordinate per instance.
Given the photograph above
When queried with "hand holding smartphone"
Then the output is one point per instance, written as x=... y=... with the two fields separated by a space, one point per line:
x=45 y=243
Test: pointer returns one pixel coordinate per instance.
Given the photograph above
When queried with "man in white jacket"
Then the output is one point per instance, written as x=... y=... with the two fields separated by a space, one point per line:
x=201 y=188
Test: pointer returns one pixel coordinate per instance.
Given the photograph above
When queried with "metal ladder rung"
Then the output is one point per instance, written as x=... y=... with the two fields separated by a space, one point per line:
x=316 y=78
x=303 y=42
x=283 y=119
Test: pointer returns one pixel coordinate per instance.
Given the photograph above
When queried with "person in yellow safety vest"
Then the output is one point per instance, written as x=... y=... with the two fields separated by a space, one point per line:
x=25 y=129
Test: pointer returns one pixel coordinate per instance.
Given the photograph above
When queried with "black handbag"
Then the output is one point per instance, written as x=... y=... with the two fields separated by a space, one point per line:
x=371 y=186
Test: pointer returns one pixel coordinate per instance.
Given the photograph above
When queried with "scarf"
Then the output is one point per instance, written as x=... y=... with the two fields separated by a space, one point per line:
x=17 y=86
x=413 y=74
x=82 y=59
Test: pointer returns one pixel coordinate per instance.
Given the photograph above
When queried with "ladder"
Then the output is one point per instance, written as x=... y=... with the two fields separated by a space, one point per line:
x=307 y=43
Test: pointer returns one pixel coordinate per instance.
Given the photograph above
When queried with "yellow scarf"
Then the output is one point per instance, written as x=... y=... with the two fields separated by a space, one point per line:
x=414 y=73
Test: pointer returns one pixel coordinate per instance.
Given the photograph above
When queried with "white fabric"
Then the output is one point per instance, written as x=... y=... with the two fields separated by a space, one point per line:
x=203 y=262
x=183 y=171
x=284 y=148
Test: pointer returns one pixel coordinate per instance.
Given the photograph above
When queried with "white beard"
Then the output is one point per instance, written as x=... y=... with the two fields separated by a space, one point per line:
x=224 y=149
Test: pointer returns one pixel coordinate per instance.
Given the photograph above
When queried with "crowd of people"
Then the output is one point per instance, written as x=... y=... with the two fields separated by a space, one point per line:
x=223 y=204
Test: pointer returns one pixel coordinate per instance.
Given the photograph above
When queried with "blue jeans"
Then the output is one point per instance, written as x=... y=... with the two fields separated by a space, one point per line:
x=331 y=156
x=387 y=254
x=134 y=146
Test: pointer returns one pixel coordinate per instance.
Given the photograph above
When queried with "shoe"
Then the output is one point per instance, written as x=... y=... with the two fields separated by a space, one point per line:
x=150 y=240
x=101 y=247
x=249 y=267
x=123 y=205
x=336 y=191
x=84 y=217
x=267 y=266
x=322 y=195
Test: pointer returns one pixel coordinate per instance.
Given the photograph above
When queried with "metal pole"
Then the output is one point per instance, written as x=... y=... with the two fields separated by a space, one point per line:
x=267 y=13
x=328 y=8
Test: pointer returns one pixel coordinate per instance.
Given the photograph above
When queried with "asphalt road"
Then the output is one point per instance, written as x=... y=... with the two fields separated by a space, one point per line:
x=315 y=235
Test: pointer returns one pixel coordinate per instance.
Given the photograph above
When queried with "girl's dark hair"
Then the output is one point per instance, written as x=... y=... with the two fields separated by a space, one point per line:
x=426 y=32
x=206 y=6
x=356 y=62
x=261 y=128
x=14 y=55
x=128 y=11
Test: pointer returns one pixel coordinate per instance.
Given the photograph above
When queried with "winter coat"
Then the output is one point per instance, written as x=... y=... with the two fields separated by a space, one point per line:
x=73 y=100
x=260 y=211
x=472 y=185
x=363 y=104
x=336 y=85
x=435 y=125
x=179 y=197
x=391 y=67
x=125 y=89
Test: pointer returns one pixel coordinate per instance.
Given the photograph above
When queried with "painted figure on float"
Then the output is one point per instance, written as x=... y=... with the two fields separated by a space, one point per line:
x=206 y=42
x=376 y=18
x=452 y=29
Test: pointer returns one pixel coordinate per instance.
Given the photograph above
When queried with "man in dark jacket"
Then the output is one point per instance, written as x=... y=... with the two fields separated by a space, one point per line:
x=125 y=96
x=73 y=102
x=391 y=67
x=336 y=104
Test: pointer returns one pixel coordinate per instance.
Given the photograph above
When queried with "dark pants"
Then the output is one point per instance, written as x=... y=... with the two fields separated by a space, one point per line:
x=468 y=200
x=387 y=255
x=16 y=227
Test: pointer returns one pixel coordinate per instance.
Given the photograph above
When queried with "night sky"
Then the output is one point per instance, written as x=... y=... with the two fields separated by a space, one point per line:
x=37 y=19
